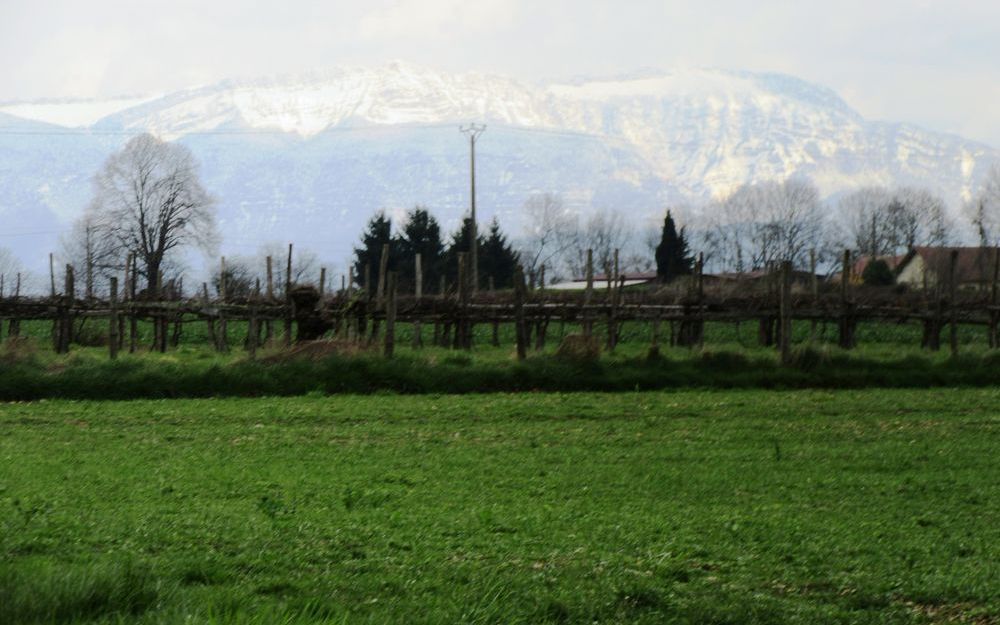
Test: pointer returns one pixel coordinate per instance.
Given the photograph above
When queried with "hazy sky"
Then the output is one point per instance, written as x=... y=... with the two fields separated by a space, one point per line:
x=932 y=63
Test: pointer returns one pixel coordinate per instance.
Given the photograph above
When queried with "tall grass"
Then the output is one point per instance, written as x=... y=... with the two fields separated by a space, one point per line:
x=439 y=371
x=46 y=593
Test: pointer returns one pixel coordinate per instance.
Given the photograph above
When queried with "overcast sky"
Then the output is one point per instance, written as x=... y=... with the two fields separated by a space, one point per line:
x=936 y=64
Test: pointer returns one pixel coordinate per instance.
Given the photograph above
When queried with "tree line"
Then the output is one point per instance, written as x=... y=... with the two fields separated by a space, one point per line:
x=149 y=204
x=420 y=233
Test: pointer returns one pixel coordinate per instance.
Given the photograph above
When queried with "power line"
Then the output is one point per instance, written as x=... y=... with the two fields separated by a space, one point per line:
x=87 y=132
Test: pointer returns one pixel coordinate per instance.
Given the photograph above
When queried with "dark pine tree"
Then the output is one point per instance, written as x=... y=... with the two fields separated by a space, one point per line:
x=377 y=233
x=672 y=256
x=421 y=235
x=497 y=258
x=460 y=240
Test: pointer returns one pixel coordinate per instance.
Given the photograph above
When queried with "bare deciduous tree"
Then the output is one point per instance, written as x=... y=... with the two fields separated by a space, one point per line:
x=879 y=222
x=984 y=209
x=863 y=215
x=766 y=222
x=921 y=218
x=149 y=201
x=549 y=233
x=305 y=265
x=603 y=232
x=10 y=267
x=94 y=257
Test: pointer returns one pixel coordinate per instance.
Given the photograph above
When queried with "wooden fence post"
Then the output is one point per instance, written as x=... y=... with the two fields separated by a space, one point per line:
x=952 y=301
x=113 y=322
x=288 y=299
x=223 y=323
x=463 y=279
x=699 y=326
x=351 y=319
x=65 y=334
x=268 y=322
x=210 y=320
x=322 y=285
x=56 y=323
x=522 y=348
x=588 y=294
x=52 y=275
x=613 y=317
x=418 y=291
x=14 y=327
x=160 y=318
x=252 y=336
x=654 y=339
x=390 y=315
x=177 y=292
x=495 y=322
x=124 y=297
x=814 y=287
x=846 y=339
x=994 y=315
x=383 y=268
x=785 y=337
x=133 y=320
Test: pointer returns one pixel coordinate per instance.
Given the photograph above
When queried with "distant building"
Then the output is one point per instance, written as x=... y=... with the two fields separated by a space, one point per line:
x=632 y=278
x=859 y=266
x=798 y=277
x=928 y=266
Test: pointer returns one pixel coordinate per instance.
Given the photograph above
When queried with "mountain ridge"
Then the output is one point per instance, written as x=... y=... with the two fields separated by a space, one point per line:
x=289 y=155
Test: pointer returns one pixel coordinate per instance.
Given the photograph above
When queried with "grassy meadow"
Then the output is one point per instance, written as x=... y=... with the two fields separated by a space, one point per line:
x=738 y=506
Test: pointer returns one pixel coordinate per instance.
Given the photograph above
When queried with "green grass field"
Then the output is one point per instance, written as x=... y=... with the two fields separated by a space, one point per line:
x=690 y=507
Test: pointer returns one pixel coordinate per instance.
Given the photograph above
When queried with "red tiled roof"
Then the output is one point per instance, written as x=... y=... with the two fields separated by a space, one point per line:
x=860 y=264
x=974 y=264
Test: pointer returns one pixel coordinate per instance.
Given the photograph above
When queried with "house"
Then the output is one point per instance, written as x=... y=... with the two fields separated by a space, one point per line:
x=975 y=267
x=632 y=278
x=859 y=266
x=798 y=277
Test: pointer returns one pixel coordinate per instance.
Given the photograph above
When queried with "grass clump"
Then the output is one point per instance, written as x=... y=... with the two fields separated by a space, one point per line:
x=56 y=593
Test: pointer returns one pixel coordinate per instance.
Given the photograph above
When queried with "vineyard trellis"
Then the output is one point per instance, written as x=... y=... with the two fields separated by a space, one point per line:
x=771 y=301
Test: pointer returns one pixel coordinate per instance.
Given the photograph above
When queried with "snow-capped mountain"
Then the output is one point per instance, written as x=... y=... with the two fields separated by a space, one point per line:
x=310 y=157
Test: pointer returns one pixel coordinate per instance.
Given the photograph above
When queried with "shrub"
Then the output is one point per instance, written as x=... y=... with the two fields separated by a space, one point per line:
x=91 y=335
x=19 y=350
x=878 y=273
x=579 y=348
x=808 y=358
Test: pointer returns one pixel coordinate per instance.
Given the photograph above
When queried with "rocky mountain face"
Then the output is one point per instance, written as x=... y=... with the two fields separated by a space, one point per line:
x=308 y=158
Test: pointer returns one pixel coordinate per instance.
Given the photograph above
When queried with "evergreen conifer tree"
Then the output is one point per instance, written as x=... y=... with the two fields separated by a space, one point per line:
x=672 y=256
x=497 y=258
x=421 y=235
x=460 y=243
x=377 y=233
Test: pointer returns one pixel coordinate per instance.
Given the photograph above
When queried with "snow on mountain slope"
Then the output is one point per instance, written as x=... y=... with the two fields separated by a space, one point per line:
x=702 y=131
x=309 y=157
x=310 y=103
x=71 y=113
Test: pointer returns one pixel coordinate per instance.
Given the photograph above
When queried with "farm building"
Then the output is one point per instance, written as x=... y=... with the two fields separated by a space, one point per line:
x=632 y=278
x=798 y=277
x=928 y=266
x=858 y=269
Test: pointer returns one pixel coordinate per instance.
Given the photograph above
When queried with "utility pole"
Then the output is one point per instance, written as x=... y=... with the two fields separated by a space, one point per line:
x=473 y=131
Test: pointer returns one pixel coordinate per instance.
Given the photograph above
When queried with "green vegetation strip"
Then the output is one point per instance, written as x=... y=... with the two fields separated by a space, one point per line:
x=198 y=373
x=687 y=507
